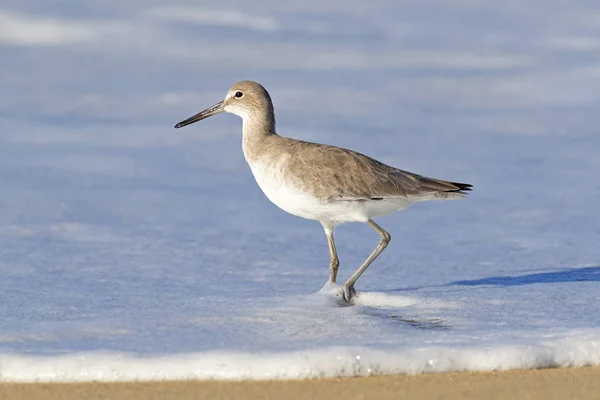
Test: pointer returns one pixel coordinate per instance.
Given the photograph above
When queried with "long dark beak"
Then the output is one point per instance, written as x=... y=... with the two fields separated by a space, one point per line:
x=217 y=108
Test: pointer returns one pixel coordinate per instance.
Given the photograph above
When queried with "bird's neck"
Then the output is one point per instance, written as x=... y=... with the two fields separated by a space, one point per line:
x=256 y=130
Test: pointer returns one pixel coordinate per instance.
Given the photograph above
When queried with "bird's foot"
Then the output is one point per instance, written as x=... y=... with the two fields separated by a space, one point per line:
x=349 y=293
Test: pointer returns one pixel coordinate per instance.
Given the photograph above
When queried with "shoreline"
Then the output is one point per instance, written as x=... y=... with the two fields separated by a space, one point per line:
x=556 y=383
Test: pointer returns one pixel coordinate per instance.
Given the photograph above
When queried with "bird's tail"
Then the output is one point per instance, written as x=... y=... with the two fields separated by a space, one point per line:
x=437 y=189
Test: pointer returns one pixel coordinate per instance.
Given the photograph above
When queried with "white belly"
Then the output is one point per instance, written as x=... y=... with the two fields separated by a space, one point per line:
x=287 y=196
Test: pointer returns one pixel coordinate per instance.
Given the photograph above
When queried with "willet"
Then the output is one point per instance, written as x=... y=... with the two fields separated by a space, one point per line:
x=325 y=183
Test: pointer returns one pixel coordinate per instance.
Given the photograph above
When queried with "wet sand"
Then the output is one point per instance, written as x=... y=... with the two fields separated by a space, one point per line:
x=563 y=383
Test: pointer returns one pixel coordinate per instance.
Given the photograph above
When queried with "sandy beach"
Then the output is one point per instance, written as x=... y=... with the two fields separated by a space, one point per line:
x=563 y=383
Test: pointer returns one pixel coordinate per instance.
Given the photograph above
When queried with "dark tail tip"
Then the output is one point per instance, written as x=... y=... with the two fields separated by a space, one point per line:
x=462 y=187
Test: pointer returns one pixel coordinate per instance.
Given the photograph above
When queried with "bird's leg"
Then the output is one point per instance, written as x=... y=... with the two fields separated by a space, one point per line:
x=348 y=288
x=334 y=262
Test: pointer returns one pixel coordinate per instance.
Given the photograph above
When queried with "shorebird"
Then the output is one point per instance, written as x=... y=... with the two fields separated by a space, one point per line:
x=329 y=184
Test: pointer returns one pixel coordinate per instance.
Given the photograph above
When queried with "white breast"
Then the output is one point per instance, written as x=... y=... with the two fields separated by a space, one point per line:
x=284 y=194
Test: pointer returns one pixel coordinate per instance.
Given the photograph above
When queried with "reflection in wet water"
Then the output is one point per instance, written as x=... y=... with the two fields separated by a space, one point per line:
x=422 y=323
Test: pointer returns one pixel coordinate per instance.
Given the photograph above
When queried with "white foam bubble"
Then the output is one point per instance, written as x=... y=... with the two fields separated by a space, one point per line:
x=369 y=299
x=383 y=300
x=316 y=363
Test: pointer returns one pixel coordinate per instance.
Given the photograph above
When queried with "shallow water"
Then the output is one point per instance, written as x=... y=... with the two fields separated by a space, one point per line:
x=130 y=250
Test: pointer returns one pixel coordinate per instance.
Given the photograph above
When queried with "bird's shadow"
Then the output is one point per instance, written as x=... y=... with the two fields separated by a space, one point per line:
x=578 y=274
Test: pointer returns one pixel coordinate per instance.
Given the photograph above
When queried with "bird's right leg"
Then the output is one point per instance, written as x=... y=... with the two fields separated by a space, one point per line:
x=385 y=237
x=334 y=262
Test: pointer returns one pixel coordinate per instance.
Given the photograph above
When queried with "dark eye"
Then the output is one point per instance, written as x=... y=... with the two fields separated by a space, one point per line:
x=239 y=94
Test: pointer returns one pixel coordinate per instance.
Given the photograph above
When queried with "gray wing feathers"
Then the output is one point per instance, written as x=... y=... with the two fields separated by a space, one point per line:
x=340 y=174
